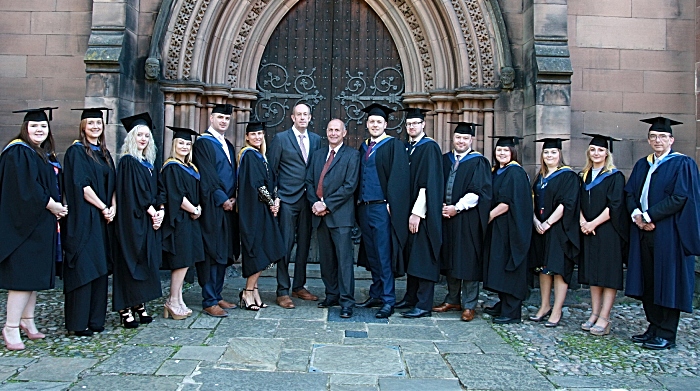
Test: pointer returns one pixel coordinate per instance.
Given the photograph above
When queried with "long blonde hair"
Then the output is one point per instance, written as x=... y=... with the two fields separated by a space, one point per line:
x=609 y=165
x=543 y=165
x=188 y=158
x=130 y=147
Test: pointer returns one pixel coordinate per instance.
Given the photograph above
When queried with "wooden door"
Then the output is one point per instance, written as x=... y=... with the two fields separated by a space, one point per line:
x=336 y=56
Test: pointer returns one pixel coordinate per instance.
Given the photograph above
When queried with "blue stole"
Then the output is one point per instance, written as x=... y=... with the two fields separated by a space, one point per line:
x=379 y=143
x=143 y=162
x=544 y=181
x=17 y=142
x=504 y=168
x=93 y=147
x=472 y=154
x=423 y=140
x=597 y=179
x=671 y=155
x=192 y=170
x=255 y=152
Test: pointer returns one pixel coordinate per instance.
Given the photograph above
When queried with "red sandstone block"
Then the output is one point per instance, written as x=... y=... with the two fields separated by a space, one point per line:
x=680 y=35
x=613 y=80
x=74 y=5
x=621 y=8
x=27 y=5
x=56 y=66
x=669 y=82
x=22 y=44
x=66 y=45
x=595 y=58
x=63 y=89
x=13 y=66
x=626 y=124
x=20 y=88
x=14 y=22
x=663 y=9
x=70 y=23
x=596 y=101
x=621 y=33
x=658 y=103
x=657 y=60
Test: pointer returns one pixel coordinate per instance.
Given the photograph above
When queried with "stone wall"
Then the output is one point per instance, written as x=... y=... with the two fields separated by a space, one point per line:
x=632 y=59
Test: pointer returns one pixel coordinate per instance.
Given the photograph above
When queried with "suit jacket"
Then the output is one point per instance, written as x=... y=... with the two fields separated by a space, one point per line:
x=287 y=162
x=338 y=185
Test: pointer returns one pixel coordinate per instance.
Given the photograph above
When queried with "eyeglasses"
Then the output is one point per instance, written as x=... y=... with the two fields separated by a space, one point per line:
x=658 y=137
x=412 y=124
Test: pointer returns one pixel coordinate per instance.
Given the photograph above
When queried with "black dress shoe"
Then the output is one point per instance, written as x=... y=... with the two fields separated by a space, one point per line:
x=505 y=320
x=642 y=338
x=384 y=312
x=493 y=311
x=416 y=313
x=370 y=303
x=658 y=343
x=97 y=329
x=328 y=303
x=403 y=304
x=83 y=333
x=346 y=312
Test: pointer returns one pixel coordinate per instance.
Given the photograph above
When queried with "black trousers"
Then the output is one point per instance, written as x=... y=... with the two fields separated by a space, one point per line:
x=663 y=321
x=86 y=306
x=420 y=292
x=295 y=219
x=511 y=306
x=336 y=260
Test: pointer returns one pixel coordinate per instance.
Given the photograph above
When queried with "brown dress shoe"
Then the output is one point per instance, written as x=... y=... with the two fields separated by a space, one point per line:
x=467 y=315
x=444 y=307
x=215 y=311
x=305 y=295
x=285 y=302
x=226 y=305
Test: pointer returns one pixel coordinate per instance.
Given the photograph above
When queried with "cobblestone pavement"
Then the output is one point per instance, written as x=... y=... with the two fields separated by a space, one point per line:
x=313 y=349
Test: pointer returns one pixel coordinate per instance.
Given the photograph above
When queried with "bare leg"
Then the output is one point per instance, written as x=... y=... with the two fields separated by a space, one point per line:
x=177 y=277
x=28 y=314
x=608 y=301
x=560 y=288
x=596 y=302
x=545 y=291
x=249 y=293
x=17 y=301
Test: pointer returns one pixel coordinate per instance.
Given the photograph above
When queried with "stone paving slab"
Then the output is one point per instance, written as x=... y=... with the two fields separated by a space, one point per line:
x=243 y=328
x=361 y=360
x=339 y=378
x=521 y=376
x=15 y=361
x=58 y=369
x=200 y=353
x=7 y=372
x=427 y=365
x=413 y=333
x=405 y=345
x=298 y=344
x=217 y=380
x=608 y=381
x=160 y=321
x=252 y=353
x=351 y=387
x=205 y=322
x=309 y=325
x=323 y=336
x=676 y=383
x=34 y=386
x=171 y=337
x=128 y=383
x=302 y=311
x=177 y=368
x=395 y=384
x=294 y=360
x=457 y=347
x=142 y=360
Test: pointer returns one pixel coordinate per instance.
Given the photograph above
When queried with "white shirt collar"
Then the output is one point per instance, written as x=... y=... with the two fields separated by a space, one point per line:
x=461 y=154
x=217 y=135
x=657 y=159
x=336 y=149
x=298 y=133
x=419 y=138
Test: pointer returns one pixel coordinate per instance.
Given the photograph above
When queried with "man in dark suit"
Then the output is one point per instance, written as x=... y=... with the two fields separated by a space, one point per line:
x=289 y=154
x=214 y=156
x=330 y=186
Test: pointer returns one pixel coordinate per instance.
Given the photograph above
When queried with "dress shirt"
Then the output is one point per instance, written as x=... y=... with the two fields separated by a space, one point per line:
x=644 y=198
x=220 y=137
x=305 y=140
x=469 y=200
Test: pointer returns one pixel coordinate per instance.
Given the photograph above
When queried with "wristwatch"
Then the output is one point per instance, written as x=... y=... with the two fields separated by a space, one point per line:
x=196 y=211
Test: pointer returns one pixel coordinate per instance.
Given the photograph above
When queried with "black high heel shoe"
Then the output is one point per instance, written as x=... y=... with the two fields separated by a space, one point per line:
x=261 y=304
x=127 y=319
x=541 y=318
x=140 y=309
x=244 y=304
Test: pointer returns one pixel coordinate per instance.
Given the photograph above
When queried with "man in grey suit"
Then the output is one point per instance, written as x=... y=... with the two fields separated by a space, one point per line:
x=289 y=154
x=331 y=180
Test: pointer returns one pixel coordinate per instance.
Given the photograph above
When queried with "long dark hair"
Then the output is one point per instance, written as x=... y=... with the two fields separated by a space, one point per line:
x=46 y=150
x=513 y=156
x=101 y=142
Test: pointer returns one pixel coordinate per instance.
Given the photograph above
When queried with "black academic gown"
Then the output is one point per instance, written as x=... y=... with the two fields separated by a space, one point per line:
x=508 y=235
x=29 y=232
x=677 y=233
x=463 y=234
x=88 y=241
x=182 y=236
x=394 y=177
x=603 y=254
x=559 y=247
x=263 y=244
x=220 y=229
x=423 y=249
x=136 y=278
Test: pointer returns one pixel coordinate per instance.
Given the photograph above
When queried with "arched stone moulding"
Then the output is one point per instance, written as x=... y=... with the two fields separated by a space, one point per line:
x=451 y=52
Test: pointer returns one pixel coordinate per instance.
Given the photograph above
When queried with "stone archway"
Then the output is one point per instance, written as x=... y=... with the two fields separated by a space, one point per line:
x=451 y=53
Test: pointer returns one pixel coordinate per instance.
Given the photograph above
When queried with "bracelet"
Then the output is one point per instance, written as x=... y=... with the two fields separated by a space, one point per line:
x=548 y=223
x=106 y=207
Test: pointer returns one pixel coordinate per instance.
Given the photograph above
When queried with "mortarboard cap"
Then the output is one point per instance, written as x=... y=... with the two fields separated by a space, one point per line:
x=254 y=126
x=414 y=112
x=551 y=142
x=37 y=115
x=94 y=112
x=600 y=140
x=377 y=109
x=138 y=119
x=465 y=127
x=661 y=124
x=183 y=133
x=224 y=108
x=506 y=141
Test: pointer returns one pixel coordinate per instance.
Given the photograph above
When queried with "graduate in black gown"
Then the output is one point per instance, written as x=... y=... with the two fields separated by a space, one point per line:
x=258 y=205
x=508 y=234
x=605 y=228
x=555 y=242
x=88 y=231
x=178 y=191
x=136 y=278
x=29 y=207
x=663 y=200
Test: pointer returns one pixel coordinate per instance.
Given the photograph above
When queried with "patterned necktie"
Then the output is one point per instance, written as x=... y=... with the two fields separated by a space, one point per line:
x=303 y=148
x=456 y=165
x=319 y=189
x=369 y=150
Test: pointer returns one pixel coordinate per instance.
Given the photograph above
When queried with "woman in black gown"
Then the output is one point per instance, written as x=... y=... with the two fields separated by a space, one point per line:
x=605 y=227
x=258 y=206
x=136 y=276
x=29 y=207
x=555 y=243
x=88 y=236
x=178 y=190
x=508 y=233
